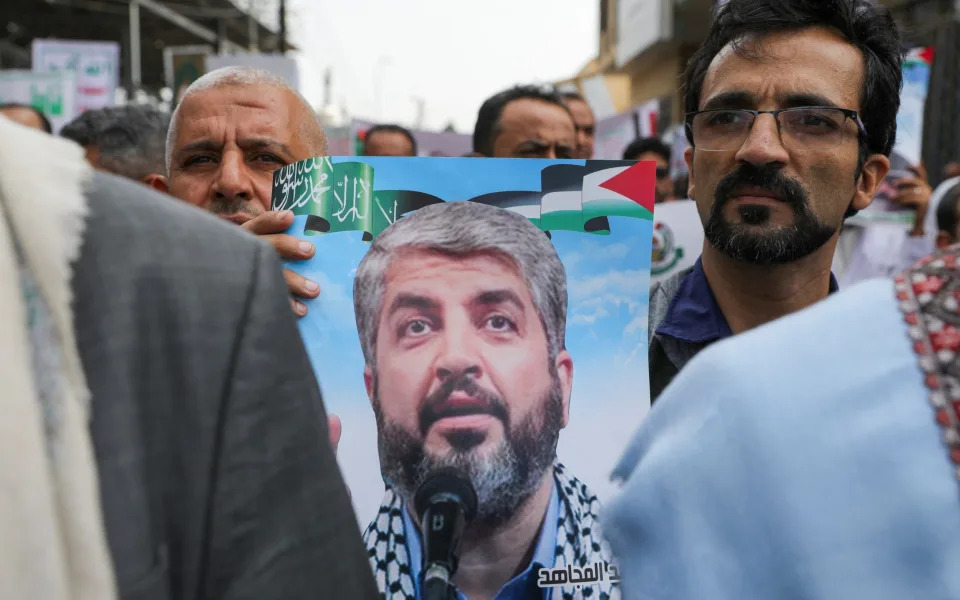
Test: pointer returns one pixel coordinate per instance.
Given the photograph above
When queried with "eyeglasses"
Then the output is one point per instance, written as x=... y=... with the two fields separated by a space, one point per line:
x=801 y=127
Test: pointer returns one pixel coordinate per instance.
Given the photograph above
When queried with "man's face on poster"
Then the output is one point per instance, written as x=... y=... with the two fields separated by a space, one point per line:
x=464 y=378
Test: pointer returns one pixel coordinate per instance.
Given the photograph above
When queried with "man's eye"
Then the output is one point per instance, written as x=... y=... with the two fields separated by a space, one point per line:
x=500 y=323
x=416 y=328
x=197 y=160
x=270 y=158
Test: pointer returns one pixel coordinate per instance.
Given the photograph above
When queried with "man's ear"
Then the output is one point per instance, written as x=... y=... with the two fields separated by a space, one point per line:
x=157 y=182
x=688 y=158
x=564 y=365
x=871 y=176
x=368 y=382
x=151 y=182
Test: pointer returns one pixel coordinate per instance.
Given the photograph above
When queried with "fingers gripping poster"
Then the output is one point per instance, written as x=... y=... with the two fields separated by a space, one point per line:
x=485 y=315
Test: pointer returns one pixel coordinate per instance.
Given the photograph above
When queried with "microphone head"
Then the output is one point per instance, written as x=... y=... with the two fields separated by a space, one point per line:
x=446 y=483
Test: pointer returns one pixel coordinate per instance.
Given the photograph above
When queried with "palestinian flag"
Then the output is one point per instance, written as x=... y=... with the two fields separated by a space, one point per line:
x=524 y=203
x=560 y=204
x=625 y=191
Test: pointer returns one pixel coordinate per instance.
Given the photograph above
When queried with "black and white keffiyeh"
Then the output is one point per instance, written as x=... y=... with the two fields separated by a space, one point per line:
x=579 y=543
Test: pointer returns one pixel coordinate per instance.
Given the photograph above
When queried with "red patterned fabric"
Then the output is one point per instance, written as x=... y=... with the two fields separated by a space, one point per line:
x=929 y=296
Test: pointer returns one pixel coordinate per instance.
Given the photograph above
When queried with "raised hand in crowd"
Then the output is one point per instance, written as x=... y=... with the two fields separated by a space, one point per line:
x=914 y=193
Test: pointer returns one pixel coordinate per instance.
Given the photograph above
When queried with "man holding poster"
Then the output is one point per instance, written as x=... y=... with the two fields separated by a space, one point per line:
x=461 y=312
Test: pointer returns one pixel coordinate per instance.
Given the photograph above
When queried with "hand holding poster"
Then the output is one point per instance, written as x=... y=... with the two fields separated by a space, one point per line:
x=490 y=316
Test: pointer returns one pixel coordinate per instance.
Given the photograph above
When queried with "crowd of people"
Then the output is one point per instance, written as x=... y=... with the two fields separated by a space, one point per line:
x=804 y=439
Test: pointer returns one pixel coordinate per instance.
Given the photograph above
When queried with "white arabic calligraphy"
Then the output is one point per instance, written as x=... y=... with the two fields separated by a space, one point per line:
x=345 y=213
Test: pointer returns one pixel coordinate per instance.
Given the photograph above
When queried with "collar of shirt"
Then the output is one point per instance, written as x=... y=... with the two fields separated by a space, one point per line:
x=523 y=586
x=694 y=315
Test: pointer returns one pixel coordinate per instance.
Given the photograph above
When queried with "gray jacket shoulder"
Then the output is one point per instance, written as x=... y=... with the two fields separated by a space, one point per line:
x=137 y=227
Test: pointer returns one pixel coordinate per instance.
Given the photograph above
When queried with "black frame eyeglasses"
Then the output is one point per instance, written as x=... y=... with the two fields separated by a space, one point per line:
x=803 y=127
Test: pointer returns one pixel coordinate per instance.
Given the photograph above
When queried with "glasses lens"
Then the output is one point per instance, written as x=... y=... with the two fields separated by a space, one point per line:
x=813 y=127
x=721 y=129
x=663 y=172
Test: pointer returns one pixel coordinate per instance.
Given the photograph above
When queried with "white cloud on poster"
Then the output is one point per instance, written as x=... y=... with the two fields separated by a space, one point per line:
x=595 y=251
x=588 y=318
x=634 y=283
x=597 y=297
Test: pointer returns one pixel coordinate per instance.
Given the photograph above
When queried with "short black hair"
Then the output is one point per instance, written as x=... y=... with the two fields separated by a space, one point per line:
x=43 y=118
x=390 y=128
x=947 y=212
x=488 y=119
x=572 y=96
x=871 y=29
x=647 y=144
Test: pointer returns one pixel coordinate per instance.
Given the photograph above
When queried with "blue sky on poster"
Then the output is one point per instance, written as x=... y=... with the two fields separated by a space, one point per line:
x=451 y=54
x=607 y=281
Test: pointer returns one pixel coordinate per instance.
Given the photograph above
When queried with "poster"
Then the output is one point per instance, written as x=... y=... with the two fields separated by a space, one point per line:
x=467 y=354
x=50 y=93
x=913 y=98
x=96 y=66
x=182 y=66
x=677 y=238
x=615 y=133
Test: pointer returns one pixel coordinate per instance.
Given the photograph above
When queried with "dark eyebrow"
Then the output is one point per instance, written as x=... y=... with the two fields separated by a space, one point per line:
x=730 y=100
x=533 y=145
x=411 y=301
x=806 y=99
x=491 y=297
x=264 y=144
x=200 y=146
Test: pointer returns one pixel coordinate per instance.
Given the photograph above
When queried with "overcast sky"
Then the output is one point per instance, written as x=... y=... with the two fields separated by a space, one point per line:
x=451 y=53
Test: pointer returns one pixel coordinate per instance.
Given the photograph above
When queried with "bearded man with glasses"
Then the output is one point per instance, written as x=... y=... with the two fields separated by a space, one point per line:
x=791 y=117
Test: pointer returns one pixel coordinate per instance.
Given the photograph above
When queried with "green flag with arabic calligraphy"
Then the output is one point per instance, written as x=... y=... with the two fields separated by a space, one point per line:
x=341 y=197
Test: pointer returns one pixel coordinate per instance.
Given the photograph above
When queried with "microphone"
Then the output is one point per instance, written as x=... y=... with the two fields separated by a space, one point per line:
x=445 y=502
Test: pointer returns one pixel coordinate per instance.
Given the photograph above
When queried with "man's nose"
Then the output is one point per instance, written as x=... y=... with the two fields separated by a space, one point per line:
x=233 y=180
x=458 y=353
x=763 y=145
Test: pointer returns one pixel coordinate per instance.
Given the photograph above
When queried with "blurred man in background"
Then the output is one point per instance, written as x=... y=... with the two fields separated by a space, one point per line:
x=525 y=122
x=651 y=148
x=125 y=140
x=389 y=140
x=948 y=218
x=585 y=122
x=233 y=128
x=26 y=115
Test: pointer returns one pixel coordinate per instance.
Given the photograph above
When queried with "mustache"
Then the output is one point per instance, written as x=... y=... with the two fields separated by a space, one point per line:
x=229 y=207
x=434 y=407
x=767 y=177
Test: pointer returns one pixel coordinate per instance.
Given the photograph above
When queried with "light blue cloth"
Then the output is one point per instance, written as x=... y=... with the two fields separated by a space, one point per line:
x=798 y=460
x=524 y=585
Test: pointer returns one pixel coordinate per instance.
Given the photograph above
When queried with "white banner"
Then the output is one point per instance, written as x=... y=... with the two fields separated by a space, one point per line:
x=50 y=93
x=677 y=238
x=95 y=65
x=613 y=135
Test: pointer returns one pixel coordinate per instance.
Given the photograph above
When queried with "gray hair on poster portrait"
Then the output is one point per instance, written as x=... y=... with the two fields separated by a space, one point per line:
x=461 y=229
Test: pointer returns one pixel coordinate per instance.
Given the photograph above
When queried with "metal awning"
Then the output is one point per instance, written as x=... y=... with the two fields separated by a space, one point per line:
x=220 y=24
